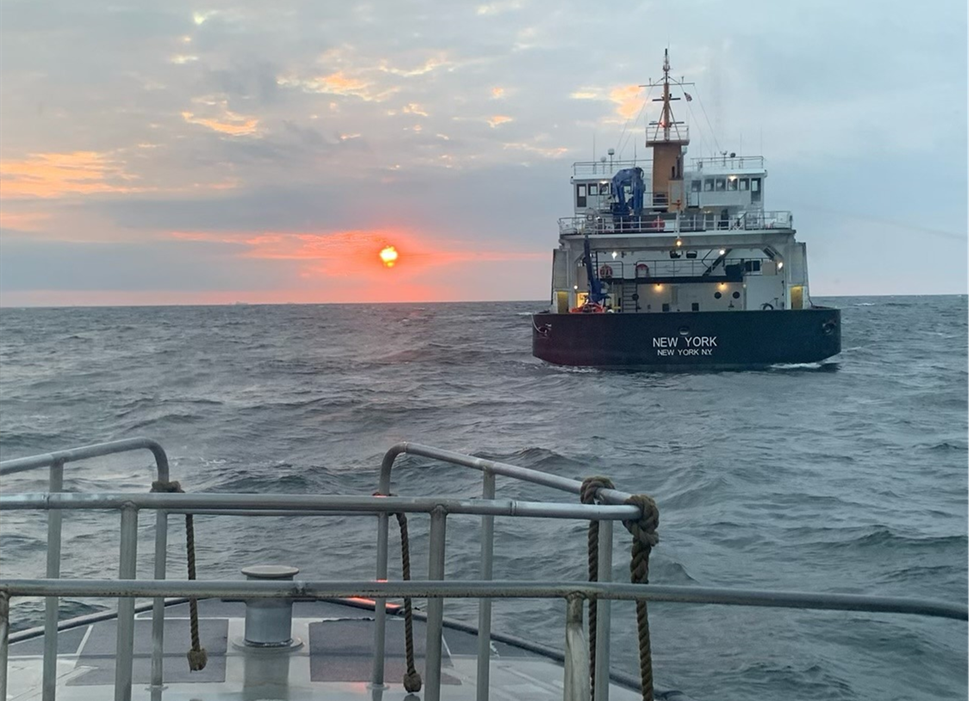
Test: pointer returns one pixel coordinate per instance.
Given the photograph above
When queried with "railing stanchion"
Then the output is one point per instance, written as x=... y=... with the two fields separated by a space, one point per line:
x=605 y=574
x=438 y=541
x=484 y=606
x=158 y=604
x=575 y=677
x=379 y=637
x=125 y=638
x=51 y=603
x=4 y=641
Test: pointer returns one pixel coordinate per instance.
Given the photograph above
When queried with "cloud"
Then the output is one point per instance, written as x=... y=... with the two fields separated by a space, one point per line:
x=230 y=124
x=59 y=174
x=498 y=119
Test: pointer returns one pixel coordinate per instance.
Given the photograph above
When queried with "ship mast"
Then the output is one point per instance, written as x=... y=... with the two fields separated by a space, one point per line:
x=667 y=138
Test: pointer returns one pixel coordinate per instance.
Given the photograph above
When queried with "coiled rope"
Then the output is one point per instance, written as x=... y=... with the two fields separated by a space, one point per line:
x=644 y=531
x=197 y=655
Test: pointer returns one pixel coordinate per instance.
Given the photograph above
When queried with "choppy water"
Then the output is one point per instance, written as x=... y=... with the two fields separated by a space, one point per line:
x=845 y=477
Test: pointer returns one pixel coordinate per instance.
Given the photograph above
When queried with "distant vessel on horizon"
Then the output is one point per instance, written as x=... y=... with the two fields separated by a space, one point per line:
x=696 y=275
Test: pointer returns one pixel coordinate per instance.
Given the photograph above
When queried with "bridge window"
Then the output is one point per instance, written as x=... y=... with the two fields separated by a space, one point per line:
x=603 y=188
x=695 y=186
x=709 y=185
x=719 y=184
x=743 y=184
x=593 y=189
x=732 y=184
x=580 y=196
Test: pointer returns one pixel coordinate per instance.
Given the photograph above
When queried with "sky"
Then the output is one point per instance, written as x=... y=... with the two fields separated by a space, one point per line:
x=213 y=152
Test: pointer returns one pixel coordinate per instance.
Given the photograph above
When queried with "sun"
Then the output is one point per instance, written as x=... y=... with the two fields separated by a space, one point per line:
x=388 y=256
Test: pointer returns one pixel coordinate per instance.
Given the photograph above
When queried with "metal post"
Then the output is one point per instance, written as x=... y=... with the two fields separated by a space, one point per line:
x=484 y=607
x=158 y=604
x=125 y=639
x=379 y=639
x=575 y=680
x=438 y=542
x=605 y=574
x=50 y=671
x=4 y=641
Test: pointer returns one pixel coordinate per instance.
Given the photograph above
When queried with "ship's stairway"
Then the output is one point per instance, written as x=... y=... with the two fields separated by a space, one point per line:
x=629 y=301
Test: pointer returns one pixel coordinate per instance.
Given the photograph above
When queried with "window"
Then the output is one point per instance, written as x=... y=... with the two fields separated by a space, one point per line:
x=691 y=254
x=717 y=295
x=709 y=185
x=743 y=184
x=603 y=188
x=593 y=189
x=756 y=184
x=695 y=186
x=695 y=307
x=666 y=307
x=736 y=294
x=580 y=196
x=732 y=184
x=675 y=254
x=719 y=184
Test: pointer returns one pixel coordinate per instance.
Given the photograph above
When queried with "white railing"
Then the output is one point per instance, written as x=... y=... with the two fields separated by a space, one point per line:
x=608 y=168
x=725 y=163
x=680 y=223
x=658 y=134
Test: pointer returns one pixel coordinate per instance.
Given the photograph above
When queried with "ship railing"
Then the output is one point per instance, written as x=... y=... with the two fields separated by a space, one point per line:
x=609 y=509
x=727 y=162
x=608 y=168
x=678 y=223
x=660 y=134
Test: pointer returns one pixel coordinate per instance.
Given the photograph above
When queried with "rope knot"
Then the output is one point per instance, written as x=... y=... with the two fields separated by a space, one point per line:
x=590 y=485
x=644 y=528
x=412 y=682
x=168 y=487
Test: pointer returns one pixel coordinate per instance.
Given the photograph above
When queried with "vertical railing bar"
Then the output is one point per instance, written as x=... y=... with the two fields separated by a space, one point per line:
x=125 y=640
x=51 y=603
x=379 y=637
x=158 y=604
x=484 y=606
x=438 y=542
x=4 y=642
x=605 y=574
x=575 y=675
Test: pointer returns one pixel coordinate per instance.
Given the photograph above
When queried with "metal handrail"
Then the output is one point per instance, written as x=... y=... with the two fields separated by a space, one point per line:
x=55 y=462
x=476 y=589
x=685 y=222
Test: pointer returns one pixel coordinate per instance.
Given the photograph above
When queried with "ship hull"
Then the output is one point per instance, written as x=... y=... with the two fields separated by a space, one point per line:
x=681 y=341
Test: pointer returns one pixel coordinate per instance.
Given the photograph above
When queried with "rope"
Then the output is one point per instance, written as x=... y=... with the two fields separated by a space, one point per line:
x=197 y=655
x=411 y=680
x=587 y=495
x=645 y=536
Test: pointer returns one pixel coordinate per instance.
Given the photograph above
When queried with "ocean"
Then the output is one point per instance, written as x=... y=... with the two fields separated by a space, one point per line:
x=845 y=476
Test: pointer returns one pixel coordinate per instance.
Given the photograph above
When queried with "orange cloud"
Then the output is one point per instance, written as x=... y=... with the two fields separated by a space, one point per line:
x=57 y=174
x=498 y=119
x=628 y=100
x=232 y=124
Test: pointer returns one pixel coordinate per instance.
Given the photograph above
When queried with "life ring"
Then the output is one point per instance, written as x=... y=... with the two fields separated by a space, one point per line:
x=767 y=307
x=642 y=270
x=605 y=271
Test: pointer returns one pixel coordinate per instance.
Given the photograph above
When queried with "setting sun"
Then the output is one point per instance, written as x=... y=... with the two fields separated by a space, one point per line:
x=388 y=256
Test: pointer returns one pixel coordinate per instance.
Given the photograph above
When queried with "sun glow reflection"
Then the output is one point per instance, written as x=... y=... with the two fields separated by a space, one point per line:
x=388 y=256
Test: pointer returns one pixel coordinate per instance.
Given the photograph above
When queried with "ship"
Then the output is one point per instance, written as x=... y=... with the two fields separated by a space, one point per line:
x=672 y=263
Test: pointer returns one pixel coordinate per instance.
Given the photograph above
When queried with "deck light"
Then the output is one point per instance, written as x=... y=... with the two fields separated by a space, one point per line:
x=679 y=242
x=722 y=252
x=779 y=266
x=614 y=254
x=658 y=287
